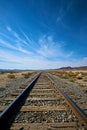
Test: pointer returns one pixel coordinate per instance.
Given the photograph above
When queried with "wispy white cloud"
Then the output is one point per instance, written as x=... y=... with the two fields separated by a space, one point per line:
x=47 y=46
x=80 y=62
x=9 y=28
x=23 y=61
x=34 y=62
x=4 y=35
x=50 y=48
x=63 y=13
x=16 y=42
x=16 y=47
x=29 y=41
x=6 y=44
x=21 y=49
x=16 y=35
x=47 y=49
x=25 y=40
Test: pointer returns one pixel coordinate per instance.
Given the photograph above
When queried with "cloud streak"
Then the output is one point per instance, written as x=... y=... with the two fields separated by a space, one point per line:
x=18 y=48
x=25 y=40
x=63 y=13
x=36 y=62
x=15 y=42
x=47 y=49
x=39 y=59
x=18 y=39
x=6 y=44
x=50 y=48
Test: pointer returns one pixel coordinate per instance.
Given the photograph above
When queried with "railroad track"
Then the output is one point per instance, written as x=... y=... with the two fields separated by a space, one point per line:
x=73 y=92
x=41 y=105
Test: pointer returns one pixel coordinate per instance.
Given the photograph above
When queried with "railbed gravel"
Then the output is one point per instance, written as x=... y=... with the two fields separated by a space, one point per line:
x=12 y=85
x=45 y=103
x=46 y=117
x=72 y=87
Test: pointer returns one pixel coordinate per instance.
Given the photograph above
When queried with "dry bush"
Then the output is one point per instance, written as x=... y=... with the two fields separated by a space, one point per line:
x=84 y=73
x=26 y=75
x=85 y=78
x=2 y=72
x=33 y=72
x=85 y=91
x=54 y=73
x=79 y=76
x=71 y=74
x=71 y=79
x=11 y=72
x=11 y=76
x=82 y=85
x=64 y=76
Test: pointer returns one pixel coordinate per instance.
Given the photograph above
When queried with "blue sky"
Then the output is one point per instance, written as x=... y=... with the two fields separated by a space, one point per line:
x=43 y=34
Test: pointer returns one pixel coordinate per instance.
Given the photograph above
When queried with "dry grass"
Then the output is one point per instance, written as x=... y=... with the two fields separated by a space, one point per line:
x=71 y=79
x=11 y=76
x=85 y=91
x=26 y=75
x=71 y=76
x=77 y=77
x=85 y=79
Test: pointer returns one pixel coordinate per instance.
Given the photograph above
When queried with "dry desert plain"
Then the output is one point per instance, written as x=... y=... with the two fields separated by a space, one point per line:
x=74 y=83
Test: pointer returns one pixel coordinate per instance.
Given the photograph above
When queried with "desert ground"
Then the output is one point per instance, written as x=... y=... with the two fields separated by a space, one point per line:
x=74 y=82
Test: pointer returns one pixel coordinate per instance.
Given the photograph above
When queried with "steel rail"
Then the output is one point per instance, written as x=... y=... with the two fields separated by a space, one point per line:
x=9 y=114
x=78 y=111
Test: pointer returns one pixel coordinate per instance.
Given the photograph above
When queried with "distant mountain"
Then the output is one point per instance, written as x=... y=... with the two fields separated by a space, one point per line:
x=81 y=68
x=70 y=68
x=12 y=70
x=66 y=68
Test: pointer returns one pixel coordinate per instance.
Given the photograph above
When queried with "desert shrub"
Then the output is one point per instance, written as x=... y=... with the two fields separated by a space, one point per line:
x=2 y=72
x=11 y=76
x=65 y=76
x=79 y=76
x=84 y=73
x=26 y=75
x=85 y=78
x=11 y=72
x=54 y=73
x=71 y=79
x=72 y=74
x=85 y=91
